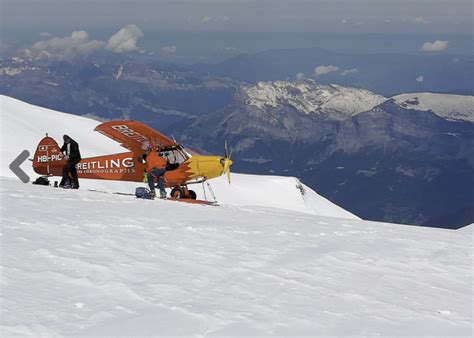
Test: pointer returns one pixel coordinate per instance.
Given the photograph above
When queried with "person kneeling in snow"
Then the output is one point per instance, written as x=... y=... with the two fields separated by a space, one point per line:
x=71 y=152
x=155 y=168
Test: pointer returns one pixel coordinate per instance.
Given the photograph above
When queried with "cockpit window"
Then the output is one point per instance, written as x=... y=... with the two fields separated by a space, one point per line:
x=174 y=155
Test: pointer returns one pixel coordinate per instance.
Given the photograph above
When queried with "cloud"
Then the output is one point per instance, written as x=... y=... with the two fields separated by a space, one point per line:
x=436 y=46
x=125 y=40
x=420 y=78
x=420 y=20
x=349 y=71
x=321 y=70
x=343 y=21
x=230 y=49
x=78 y=43
x=300 y=76
x=220 y=19
x=206 y=19
x=168 y=49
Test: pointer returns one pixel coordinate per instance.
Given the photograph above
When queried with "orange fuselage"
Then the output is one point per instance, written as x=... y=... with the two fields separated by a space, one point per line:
x=48 y=160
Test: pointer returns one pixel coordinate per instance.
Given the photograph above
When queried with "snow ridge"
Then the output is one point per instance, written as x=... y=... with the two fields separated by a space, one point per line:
x=449 y=106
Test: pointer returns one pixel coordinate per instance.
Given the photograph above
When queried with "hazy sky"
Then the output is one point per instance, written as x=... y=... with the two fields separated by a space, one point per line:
x=201 y=29
x=367 y=16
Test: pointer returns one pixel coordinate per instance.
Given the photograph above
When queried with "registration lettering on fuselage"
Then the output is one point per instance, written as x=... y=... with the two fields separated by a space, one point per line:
x=130 y=133
x=46 y=158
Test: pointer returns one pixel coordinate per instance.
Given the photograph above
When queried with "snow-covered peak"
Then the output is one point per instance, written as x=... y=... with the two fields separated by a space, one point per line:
x=15 y=70
x=309 y=97
x=14 y=66
x=448 y=106
x=23 y=125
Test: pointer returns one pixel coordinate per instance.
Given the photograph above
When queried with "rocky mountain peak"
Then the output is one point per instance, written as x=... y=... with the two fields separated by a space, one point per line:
x=309 y=97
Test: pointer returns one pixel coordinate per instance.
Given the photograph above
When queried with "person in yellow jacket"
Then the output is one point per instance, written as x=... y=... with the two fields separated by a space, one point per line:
x=156 y=168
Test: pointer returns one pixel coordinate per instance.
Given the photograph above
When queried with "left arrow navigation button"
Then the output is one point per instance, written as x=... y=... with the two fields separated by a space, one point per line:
x=15 y=166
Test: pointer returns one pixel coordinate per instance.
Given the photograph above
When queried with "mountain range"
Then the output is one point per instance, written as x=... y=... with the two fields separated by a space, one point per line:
x=154 y=92
x=410 y=165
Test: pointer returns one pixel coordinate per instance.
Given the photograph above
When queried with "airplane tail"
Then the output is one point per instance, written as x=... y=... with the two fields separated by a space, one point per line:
x=48 y=158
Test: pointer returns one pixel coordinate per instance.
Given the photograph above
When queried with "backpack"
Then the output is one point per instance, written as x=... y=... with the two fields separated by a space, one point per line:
x=142 y=192
x=41 y=181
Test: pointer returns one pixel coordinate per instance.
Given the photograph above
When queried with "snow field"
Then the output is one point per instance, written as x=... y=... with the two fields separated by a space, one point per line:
x=90 y=264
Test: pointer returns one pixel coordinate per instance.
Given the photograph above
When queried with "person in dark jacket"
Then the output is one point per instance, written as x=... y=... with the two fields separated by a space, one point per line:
x=71 y=152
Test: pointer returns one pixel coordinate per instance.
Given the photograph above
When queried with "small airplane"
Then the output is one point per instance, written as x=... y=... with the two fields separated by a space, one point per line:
x=183 y=167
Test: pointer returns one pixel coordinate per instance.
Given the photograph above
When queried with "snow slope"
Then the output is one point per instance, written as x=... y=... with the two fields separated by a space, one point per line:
x=81 y=263
x=448 y=106
x=23 y=125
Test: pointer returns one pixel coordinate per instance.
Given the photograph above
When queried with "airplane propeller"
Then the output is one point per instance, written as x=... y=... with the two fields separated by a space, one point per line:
x=227 y=161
